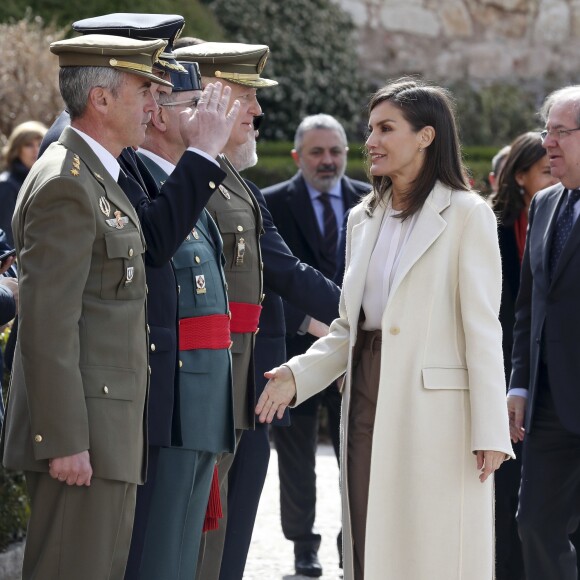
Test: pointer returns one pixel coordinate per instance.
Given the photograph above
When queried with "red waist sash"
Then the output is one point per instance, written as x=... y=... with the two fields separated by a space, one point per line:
x=212 y=332
x=245 y=317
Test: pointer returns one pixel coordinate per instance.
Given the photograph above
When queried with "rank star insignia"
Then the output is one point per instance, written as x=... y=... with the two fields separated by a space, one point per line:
x=104 y=206
x=74 y=172
x=224 y=192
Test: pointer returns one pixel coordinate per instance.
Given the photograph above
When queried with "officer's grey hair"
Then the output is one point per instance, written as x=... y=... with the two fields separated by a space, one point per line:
x=569 y=94
x=320 y=121
x=76 y=82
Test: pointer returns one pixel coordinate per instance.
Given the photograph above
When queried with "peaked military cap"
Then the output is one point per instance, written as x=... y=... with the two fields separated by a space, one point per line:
x=167 y=27
x=125 y=54
x=235 y=62
x=191 y=81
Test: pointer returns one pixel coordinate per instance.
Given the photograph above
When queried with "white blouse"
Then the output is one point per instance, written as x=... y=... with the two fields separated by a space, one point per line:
x=383 y=265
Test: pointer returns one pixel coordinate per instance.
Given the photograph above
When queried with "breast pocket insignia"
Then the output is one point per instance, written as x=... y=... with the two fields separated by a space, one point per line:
x=200 y=284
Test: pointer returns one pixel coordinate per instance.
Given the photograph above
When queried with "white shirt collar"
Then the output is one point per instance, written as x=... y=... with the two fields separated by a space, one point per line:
x=106 y=158
x=167 y=166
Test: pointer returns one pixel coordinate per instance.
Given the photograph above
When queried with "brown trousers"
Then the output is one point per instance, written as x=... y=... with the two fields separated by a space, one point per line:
x=364 y=391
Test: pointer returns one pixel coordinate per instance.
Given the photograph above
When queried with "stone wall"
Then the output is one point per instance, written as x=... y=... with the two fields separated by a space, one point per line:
x=476 y=40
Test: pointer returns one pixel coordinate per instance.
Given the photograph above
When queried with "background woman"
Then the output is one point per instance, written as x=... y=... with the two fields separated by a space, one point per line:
x=424 y=414
x=19 y=154
x=526 y=171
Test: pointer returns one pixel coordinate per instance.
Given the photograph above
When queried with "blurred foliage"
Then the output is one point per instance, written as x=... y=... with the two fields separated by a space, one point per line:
x=313 y=58
x=199 y=21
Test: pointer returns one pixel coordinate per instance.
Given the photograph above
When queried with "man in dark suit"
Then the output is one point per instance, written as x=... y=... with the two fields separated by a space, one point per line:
x=308 y=211
x=75 y=419
x=544 y=398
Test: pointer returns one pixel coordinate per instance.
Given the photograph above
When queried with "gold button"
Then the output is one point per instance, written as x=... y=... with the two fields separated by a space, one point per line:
x=395 y=330
x=180 y=363
x=197 y=259
x=240 y=228
x=106 y=390
x=131 y=252
x=211 y=185
x=38 y=438
x=152 y=347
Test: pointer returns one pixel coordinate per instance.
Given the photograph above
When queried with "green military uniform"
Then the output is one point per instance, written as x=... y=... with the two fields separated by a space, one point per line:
x=80 y=374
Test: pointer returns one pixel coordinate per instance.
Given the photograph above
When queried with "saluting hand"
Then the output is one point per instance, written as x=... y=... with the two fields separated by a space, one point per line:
x=277 y=395
x=208 y=126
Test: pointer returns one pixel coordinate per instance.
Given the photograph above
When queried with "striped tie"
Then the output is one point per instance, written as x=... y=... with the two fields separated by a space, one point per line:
x=563 y=229
x=330 y=234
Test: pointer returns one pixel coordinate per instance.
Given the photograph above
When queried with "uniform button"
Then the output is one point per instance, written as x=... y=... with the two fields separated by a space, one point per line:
x=395 y=330
x=211 y=185
x=152 y=347
x=197 y=259
x=106 y=390
x=178 y=289
x=262 y=297
x=240 y=228
x=180 y=363
x=38 y=438
x=131 y=252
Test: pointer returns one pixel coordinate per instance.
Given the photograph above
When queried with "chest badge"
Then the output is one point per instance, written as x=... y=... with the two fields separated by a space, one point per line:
x=119 y=221
x=105 y=206
x=240 y=252
x=129 y=275
x=200 y=284
x=224 y=192
x=195 y=234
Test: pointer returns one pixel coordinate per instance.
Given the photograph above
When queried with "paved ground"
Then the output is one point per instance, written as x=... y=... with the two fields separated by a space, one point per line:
x=271 y=556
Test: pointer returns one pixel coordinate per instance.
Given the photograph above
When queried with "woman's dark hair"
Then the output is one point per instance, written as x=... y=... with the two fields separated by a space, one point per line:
x=421 y=106
x=508 y=202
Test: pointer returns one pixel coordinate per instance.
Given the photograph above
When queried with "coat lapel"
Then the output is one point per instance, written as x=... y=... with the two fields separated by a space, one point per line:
x=428 y=227
x=74 y=142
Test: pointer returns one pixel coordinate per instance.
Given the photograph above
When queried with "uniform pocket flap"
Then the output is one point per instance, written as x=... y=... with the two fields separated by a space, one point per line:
x=124 y=244
x=194 y=361
x=109 y=383
x=162 y=338
x=236 y=221
x=197 y=253
x=445 y=378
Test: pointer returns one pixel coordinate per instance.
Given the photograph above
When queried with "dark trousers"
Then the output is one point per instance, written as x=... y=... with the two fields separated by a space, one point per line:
x=296 y=447
x=549 y=508
x=144 y=495
x=246 y=481
x=508 y=547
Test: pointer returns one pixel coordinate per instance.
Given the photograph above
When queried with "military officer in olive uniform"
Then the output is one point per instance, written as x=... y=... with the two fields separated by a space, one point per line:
x=182 y=487
x=251 y=244
x=167 y=214
x=75 y=419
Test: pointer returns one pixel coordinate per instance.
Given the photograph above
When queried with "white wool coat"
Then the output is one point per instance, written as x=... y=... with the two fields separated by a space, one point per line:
x=441 y=391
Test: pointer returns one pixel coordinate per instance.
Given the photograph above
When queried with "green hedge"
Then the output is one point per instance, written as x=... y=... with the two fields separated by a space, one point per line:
x=275 y=164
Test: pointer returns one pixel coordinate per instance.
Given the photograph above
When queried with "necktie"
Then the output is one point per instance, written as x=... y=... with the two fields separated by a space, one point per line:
x=330 y=231
x=563 y=229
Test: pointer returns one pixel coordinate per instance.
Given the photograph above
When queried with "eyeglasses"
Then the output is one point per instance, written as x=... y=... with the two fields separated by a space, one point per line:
x=557 y=133
x=188 y=103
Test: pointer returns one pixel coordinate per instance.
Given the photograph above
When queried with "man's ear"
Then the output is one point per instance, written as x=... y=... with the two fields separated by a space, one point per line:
x=100 y=99
x=296 y=157
x=158 y=119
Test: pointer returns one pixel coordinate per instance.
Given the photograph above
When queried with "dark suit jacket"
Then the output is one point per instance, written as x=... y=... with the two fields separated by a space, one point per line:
x=548 y=313
x=293 y=214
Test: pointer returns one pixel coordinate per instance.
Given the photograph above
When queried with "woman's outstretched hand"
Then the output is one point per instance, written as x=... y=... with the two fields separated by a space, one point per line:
x=277 y=395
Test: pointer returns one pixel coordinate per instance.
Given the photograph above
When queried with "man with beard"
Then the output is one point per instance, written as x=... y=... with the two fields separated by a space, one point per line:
x=252 y=247
x=308 y=211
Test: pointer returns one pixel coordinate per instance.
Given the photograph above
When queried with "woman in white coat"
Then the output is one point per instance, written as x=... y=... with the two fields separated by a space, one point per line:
x=424 y=421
